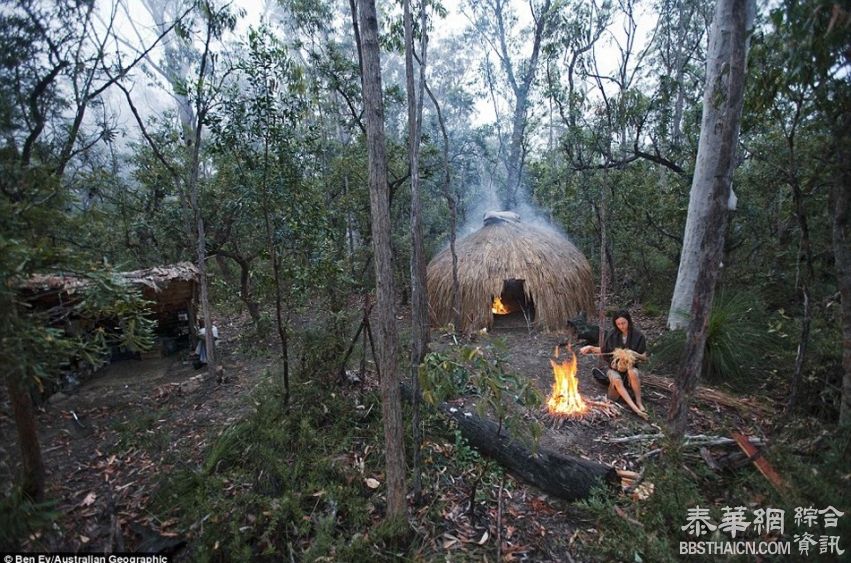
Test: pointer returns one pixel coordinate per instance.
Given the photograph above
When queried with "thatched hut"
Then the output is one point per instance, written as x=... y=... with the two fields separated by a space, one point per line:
x=538 y=276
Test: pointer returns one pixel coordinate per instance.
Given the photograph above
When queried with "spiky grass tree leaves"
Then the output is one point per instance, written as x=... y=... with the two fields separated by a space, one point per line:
x=741 y=340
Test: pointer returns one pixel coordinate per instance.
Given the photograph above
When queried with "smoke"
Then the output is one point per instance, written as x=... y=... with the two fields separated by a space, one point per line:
x=487 y=199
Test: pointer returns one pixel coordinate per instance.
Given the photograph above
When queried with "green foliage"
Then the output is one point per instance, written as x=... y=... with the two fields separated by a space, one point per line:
x=300 y=481
x=815 y=460
x=741 y=338
x=321 y=345
x=144 y=432
x=20 y=518
x=822 y=379
x=480 y=371
x=661 y=515
x=35 y=349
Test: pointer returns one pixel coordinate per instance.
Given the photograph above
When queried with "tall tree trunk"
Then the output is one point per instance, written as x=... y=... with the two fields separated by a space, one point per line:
x=710 y=191
x=192 y=132
x=840 y=203
x=801 y=353
x=452 y=203
x=722 y=108
x=419 y=304
x=201 y=257
x=805 y=251
x=391 y=402
x=680 y=62
x=32 y=479
x=520 y=86
x=604 y=278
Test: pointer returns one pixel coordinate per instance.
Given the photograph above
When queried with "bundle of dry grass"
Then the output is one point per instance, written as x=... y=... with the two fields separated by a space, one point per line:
x=709 y=395
x=624 y=359
x=556 y=275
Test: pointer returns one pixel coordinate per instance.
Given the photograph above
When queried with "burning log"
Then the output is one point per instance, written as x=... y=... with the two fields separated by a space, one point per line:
x=596 y=410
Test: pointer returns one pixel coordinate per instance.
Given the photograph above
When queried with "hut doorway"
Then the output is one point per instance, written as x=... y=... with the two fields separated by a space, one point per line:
x=513 y=308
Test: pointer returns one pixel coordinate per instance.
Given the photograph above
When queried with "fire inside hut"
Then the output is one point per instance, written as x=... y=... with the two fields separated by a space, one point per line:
x=513 y=306
x=498 y=307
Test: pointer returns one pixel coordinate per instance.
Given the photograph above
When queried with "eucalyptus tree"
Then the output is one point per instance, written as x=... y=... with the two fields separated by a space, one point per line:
x=678 y=52
x=57 y=61
x=391 y=404
x=190 y=70
x=265 y=155
x=710 y=194
x=804 y=86
x=497 y=25
x=419 y=299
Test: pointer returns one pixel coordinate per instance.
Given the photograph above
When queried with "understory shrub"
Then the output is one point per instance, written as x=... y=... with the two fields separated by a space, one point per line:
x=283 y=484
x=20 y=518
x=740 y=341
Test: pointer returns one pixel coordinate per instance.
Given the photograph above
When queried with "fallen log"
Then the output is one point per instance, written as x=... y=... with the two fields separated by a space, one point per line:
x=567 y=477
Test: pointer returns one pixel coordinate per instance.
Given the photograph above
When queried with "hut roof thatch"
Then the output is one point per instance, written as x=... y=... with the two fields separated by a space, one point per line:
x=556 y=275
x=165 y=285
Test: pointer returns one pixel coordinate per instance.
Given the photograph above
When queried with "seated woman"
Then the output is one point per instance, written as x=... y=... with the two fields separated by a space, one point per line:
x=623 y=335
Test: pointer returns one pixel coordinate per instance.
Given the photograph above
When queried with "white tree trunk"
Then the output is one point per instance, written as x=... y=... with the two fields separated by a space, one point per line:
x=710 y=195
x=722 y=110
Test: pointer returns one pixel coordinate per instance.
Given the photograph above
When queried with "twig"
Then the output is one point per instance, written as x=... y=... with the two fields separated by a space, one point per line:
x=619 y=511
x=690 y=440
x=499 y=519
x=710 y=461
x=648 y=455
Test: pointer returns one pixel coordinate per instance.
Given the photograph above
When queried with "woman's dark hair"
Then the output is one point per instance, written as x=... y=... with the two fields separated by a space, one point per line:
x=622 y=313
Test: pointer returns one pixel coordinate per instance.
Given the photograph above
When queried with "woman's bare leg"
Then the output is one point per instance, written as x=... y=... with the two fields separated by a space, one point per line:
x=635 y=383
x=617 y=383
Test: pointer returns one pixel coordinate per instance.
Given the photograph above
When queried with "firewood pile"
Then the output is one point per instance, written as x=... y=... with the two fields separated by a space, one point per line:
x=633 y=484
x=597 y=410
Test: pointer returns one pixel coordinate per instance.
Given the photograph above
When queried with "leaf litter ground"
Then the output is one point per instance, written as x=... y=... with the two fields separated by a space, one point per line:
x=107 y=447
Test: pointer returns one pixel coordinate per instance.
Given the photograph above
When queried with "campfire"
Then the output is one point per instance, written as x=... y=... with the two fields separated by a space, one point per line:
x=566 y=402
x=565 y=399
x=498 y=308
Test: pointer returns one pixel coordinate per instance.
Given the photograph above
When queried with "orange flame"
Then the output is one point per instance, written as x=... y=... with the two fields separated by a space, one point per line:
x=565 y=398
x=498 y=308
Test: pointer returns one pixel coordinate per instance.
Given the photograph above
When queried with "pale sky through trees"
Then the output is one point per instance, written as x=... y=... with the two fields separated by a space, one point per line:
x=153 y=100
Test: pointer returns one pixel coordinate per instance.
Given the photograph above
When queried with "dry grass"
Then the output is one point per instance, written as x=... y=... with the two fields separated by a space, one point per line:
x=709 y=395
x=557 y=276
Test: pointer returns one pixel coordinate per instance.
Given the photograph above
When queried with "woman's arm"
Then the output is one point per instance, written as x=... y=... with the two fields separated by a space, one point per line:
x=640 y=344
